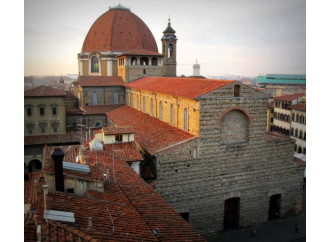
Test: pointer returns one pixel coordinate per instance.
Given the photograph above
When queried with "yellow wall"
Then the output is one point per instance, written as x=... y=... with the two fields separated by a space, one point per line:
x=270 y=116
x=85 y=68
x=104 y=68
x=179 y=104
x=48 y=117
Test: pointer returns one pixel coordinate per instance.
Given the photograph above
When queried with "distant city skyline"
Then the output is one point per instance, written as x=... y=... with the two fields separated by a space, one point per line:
x=226 y=37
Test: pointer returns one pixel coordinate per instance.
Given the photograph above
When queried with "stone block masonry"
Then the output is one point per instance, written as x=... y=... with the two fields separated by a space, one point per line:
x=235 y=158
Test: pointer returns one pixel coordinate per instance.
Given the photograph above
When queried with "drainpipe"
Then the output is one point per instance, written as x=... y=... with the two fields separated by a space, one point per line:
x=57 y=156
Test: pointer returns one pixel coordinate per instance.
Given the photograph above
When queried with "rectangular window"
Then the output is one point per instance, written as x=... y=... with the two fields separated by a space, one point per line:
x=55 y=129
x=42 y=111
x=54 y=110
x=42 y=130
x=29 y=111
x=195 y=153
x=119 y=137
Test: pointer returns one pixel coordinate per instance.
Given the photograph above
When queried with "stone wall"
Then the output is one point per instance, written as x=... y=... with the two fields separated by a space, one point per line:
x=252 y=170
x=105 y=95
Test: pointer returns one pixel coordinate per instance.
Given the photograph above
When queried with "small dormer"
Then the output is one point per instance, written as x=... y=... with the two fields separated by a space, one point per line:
x=113 y=135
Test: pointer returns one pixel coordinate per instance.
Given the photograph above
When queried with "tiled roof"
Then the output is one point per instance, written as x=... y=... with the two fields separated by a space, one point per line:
x=299 y=106
x=70 y=96
x=141 y=51
x=30 y=195
x=271 y=104
x=100 y=81
x=124 y=151
x=128 y=210
x=73 y=111
x=151 y=133
x=113 y=216
x=70 y=155
x=118 y=130
x=98 y=109
x=71 y=137
x=288 y=98
x=154 y=210
x=119 y=30
x=184 y=87
x=44 y=91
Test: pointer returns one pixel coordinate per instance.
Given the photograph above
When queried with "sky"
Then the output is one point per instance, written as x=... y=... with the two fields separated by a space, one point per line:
x=235 y=37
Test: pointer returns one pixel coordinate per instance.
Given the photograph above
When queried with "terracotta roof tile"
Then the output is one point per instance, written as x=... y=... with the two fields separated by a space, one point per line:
x=288 y=98
x=141 y=51
x=98 y=109
x=184 y=87
x=125 y=151
x=118 y=130
x=73 y=111
x=30 y=188
x=70 y=155
x=44 y=91
x=271 y=104
x=70 y=96
x=119 y=30
x=71 y=137
x=299 y=106
x=97 y=81
x=151 y=133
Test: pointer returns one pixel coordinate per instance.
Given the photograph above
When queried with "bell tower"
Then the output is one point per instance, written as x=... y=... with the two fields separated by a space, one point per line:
x=169 y=51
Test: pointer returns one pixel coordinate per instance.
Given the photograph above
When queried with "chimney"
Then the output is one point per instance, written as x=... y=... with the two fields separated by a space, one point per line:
x=57 y=156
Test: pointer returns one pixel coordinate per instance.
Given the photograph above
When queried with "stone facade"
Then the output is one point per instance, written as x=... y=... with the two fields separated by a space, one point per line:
x=133 y=71
x=249 y=167
x=102 y=95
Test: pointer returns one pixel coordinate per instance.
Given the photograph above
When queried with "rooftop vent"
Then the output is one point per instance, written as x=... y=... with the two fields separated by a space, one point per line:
x=76 y=167
x=59 y=216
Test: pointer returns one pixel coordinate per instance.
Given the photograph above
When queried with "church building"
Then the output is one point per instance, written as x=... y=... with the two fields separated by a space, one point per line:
x=204 y=141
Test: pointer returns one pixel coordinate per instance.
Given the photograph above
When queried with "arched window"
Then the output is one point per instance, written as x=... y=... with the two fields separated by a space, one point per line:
x=94 y=98
x=42 y=127
x=296 y=133
x=292 y=131
x=305 y=135
x=275 y=114
x=34 y=165
x=300 y=134
x=172 y=115
x=303 y=119
x=160 y=110
x=170 y=50
x=133 y=61
x=154 y=61
x=94 y=65
x=144 y=104
x=151 y=107
x=30 y=128
x=237 y=90
x=292 y=117
x=297 y=118
x=299 y=150
x=144 y=61
x=304 y=151
x=185 y=120
x=55 y=127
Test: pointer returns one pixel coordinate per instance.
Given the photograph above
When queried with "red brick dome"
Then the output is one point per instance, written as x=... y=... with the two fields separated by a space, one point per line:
x=119 y=30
